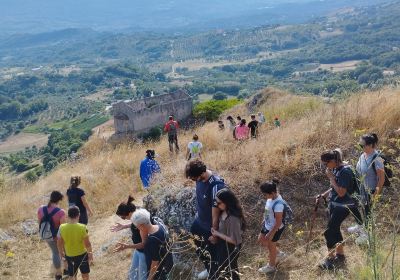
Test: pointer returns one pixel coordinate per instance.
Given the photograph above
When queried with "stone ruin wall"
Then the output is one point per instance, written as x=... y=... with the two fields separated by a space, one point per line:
x=141 y=118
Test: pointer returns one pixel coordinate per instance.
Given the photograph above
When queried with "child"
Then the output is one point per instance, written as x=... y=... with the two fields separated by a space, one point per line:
x=272 y=225
x=194 y=148
x=75 y=246
x=277 y=122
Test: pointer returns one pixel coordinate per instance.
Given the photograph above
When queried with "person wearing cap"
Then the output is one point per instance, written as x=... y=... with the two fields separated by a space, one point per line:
x=148 y=166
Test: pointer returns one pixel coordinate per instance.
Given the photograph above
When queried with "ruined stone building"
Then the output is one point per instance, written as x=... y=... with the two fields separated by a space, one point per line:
x=138 y=116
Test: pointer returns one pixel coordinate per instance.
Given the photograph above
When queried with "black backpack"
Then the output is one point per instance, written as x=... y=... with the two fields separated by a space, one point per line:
x=387 y=169
x=47 y=230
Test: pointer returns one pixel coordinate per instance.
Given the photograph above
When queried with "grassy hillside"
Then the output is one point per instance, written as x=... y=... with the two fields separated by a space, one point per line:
x=310 y=125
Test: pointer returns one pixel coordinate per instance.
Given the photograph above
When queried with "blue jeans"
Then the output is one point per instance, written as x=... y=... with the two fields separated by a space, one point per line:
x=138 y=269
x=55 y=255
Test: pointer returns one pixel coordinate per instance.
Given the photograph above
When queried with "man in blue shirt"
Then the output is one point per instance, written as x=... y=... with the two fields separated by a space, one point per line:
x=148 y=166
x=207 y=216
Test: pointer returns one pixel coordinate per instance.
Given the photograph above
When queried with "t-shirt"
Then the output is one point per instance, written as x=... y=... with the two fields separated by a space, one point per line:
x=56 y=218
x=253 y=125
x=269 y=214
x=232 y=124
x=241 y=132
x=345 y=178
x=171 y=127
x=277 y=123
x=195 y=149
x=73 y=236
x=75 y=198
x=232 y=227
x=136 y=238
x=205 y=200
x=261 y=118
x=368 y=175
x=156 y=249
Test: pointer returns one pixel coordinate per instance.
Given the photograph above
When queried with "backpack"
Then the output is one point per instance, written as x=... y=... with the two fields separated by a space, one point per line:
x=355 y=191
x=288 y=216
x=172 y=128
x=195 y=148
x=387 y=169
x=47 y=230
x=160 y=222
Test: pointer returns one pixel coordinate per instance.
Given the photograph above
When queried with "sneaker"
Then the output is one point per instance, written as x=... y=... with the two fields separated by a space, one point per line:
x=203 y=274
x=328 y=264
x=267 y=269
x=354 y=229
x=59 y=277
x=362 y=239
x=281 y=256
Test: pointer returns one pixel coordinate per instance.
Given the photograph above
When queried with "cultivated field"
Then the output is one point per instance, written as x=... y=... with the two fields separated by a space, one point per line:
x=22 y=140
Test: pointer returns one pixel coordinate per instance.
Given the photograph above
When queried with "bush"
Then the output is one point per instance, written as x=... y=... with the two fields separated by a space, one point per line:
x=212 y=109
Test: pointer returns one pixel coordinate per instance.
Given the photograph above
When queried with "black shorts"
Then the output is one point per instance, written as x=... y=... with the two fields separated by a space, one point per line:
x=277 y=235
x=80 y=262
x=172 y=138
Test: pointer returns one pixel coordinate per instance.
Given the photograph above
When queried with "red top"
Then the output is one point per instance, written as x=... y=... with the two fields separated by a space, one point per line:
x=166 y=127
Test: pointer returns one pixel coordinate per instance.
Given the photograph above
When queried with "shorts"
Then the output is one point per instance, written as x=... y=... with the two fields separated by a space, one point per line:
x=80 y=262
x=277 y=235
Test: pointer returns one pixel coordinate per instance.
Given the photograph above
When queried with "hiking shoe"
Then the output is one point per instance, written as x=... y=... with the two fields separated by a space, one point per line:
x=267 y=269
x=354 y=229
x=281 y=256
x=203 y=274
x=339 y=260
x=328 y=264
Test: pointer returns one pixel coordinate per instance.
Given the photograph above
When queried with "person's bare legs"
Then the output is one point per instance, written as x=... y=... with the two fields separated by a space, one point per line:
x=272 y=252
x=85 y=276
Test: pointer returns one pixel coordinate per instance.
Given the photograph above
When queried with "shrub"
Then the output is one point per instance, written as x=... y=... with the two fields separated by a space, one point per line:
x=212 y=109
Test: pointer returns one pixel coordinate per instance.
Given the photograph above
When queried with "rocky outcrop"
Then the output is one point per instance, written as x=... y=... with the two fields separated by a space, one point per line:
x=175 y=206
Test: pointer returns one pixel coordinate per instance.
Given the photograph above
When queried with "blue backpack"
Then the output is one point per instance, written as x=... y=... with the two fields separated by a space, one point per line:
x=288 y=215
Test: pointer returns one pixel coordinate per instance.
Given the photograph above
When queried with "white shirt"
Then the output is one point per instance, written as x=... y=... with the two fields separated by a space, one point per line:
x=269 y=217
x=195 y=149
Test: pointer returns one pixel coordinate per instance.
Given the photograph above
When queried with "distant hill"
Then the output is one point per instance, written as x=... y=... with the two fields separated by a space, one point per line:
x=21 y=16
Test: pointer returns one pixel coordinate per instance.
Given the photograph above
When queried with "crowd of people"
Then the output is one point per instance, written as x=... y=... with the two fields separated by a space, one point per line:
x=220 y=221
x=241 y=130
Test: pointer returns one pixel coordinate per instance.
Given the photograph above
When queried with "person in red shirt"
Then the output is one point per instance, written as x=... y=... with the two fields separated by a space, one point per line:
x=171 y=127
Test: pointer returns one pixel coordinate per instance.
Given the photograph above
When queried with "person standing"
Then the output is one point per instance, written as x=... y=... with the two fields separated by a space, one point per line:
x=55 y=216
x=371 y=170
x=261 y=118
x=75 y=246
x=157 y=248
x=277 y=122
x=207 y=216
x=253 y=125
x=341 y=203
x=171 y=127
x=77 y=197
x=148 y=167
x=194 y=148
x=232 y=125
x=242 y=131
x=231 y=227
x=138 y=268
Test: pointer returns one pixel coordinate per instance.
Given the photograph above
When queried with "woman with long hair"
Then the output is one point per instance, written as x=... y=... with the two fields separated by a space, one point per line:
x=242 y=130
x=57 y=215
x=77 y=197
x=231 y=226
x=138 y=269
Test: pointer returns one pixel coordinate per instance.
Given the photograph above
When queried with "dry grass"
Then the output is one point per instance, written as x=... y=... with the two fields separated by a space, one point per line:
x=291 y=153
